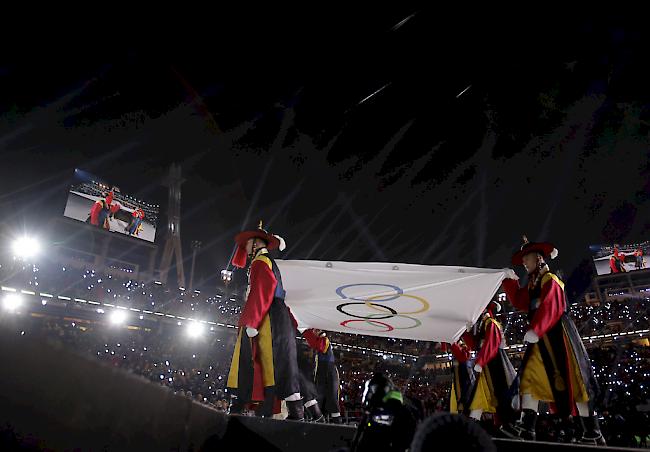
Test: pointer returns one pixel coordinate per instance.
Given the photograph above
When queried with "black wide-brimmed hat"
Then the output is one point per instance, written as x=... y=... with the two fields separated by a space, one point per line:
x=272 y=242
x=544 y=248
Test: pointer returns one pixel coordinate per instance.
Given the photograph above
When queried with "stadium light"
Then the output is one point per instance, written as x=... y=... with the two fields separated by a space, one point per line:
x=118 y=317
x=194 y=329
x=26 y=247
x=226 y=276
x=12 y=302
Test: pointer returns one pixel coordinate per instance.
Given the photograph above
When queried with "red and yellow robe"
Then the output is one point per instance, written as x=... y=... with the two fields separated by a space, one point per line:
x=268 y=360
x=463 y=377
x=556 y=369
x=490 y=391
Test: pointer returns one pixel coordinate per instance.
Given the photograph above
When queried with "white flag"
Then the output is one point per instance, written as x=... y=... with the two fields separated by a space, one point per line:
x=423 y=302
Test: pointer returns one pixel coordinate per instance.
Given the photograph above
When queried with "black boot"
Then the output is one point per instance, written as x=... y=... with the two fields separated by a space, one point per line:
x=296 y=410
x=314 y=413
x=336 y=420
x=528 y=423
x=512 y=431
x=522 y=430
x=265 y=409
x=236 y=406
x=591 y=432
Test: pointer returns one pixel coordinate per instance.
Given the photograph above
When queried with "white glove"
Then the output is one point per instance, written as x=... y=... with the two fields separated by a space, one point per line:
x=477 y=368
x=510 y=274
x=469 y=326
x=251 y=332
x=531 y=337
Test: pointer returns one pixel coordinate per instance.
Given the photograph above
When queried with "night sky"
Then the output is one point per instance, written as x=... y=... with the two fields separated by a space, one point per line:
x=266 y=117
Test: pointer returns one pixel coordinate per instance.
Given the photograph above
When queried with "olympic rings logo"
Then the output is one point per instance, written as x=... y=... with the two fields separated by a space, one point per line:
x=383 y=311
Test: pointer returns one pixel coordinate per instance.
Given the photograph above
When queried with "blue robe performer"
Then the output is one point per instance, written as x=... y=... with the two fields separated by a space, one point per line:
x=555 y=367
x=136 y=220
x=307 y=367
x=307 y=386
x=462 y=378
x=326 y=374
x=264 y=361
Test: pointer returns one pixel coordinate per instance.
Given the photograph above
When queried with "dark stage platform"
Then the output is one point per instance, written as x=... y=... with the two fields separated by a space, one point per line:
x=52 y=399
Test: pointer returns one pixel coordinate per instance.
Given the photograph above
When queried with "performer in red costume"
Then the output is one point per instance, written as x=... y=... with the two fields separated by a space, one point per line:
x=621 y=260
x=307 y=366
x=555 y=367
x=616 y=261
x=495 y=374
x=114 y=208
x=100 y=210
x=136 y=221
x=307 y=386
x=326 y=375
x=638 y=256
x=264 y=362
x=463 y=376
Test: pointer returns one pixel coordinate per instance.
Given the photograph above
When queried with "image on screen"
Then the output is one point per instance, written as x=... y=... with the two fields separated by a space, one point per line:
x=620 y=258
x=105 y=206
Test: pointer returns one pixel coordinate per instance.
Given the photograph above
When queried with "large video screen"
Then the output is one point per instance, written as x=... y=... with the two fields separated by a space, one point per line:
x=105 y=206
x=617 y=258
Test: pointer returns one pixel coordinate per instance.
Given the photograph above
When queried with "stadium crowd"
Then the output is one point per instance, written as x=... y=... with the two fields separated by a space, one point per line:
x=119 y=288
x=220 y=305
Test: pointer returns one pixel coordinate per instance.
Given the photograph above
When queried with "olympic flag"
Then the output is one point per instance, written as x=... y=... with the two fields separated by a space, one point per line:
x=408 y=301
